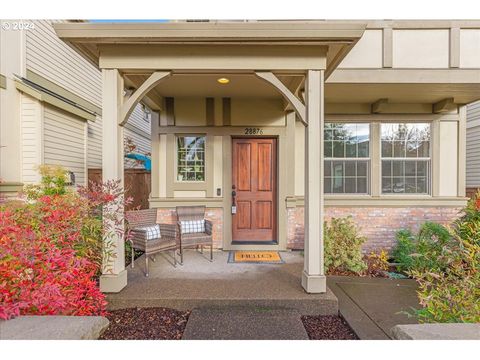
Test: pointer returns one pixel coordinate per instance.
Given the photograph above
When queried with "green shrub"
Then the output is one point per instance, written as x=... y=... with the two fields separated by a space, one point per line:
x=343 y=247
x=53 y=182
x=402 y=253
x=425 y=251
x=450 y=290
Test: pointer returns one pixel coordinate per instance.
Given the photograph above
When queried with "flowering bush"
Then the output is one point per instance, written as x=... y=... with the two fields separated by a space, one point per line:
x=51 y=250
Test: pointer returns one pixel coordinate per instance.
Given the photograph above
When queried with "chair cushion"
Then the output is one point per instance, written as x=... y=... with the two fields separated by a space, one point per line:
x=192 y=226
x=149 y=232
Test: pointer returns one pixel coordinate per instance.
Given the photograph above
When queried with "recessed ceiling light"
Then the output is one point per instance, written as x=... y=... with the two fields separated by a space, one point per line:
x=223 y=80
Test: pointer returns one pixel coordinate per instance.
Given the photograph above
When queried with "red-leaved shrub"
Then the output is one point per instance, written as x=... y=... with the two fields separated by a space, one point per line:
x=51 y=252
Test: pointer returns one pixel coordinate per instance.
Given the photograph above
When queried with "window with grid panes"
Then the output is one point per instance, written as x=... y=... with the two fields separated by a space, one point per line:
x=405 y=158
x=346 y=158
x=191 y=158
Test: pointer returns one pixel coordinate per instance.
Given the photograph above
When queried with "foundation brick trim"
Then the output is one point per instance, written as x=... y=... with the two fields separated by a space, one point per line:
x=379 y=225
x=215 y=215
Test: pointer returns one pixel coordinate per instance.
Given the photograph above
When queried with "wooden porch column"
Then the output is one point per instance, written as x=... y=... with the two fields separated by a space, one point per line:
x=313 y=277
x=114 y=275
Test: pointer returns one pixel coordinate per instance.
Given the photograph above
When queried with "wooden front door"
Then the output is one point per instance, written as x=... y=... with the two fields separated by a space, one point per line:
x=254 y=188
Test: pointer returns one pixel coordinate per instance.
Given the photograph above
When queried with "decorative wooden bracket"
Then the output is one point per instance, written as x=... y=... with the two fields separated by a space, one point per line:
x=444 y=105
x=379 y=106
x=142 y=90
x=297 y=105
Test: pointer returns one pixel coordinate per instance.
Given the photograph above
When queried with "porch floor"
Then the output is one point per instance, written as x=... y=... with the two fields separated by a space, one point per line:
x=202 y=284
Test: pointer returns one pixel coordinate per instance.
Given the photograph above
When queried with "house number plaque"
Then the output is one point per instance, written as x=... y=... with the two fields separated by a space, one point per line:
x=253 y=131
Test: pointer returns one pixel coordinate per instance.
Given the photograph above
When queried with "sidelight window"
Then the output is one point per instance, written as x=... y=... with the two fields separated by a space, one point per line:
x=191 y=158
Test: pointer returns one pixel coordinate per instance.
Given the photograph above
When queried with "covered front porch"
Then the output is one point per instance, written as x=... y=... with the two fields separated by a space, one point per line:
x=199 y=283
x=291 y=59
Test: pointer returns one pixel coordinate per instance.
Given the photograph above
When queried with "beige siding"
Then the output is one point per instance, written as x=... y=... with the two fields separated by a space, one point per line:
x=141 y=137
x=448 y=156
x=95 y=144
x=473 y=144
x=137 y=120
x=470 y=48
x=51 y=58
x=367 y=53
x=31 y=120
x=64 y=141
x=421 y=48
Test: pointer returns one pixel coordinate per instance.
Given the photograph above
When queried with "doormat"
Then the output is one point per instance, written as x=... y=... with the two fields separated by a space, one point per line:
x=255 y=257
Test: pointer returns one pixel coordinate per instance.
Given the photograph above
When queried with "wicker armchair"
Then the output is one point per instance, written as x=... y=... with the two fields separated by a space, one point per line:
x=138 y=239
x=194 y=240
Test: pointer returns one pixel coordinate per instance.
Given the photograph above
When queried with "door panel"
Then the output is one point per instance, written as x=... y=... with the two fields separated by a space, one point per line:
x=244 y=167
x=264 y=214
x=254 y=181
x=244 y=212
x=264 y=167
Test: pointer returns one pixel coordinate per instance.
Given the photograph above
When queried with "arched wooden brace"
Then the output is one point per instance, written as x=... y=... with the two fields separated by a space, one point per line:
x=298 y=106
x=142 y=90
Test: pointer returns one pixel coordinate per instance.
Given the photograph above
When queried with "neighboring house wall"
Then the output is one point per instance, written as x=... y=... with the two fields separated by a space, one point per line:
x=54 y=60
x=473 y=146
x=43 y=133
x=65 y=142
x=32 y=124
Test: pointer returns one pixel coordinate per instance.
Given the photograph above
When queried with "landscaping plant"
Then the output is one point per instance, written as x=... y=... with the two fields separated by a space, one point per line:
x=51 y=249
x=343 y=247
x=377 y=264
x=427 y=250
x=451 y=292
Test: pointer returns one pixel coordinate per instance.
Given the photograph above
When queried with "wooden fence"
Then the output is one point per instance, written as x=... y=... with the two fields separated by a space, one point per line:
x=137 y=185
x=471 y=192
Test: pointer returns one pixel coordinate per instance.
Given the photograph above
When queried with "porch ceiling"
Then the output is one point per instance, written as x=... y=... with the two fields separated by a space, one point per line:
x=206 y=85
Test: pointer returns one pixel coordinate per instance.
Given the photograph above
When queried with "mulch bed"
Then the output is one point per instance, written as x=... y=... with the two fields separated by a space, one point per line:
x=328 y=327
x=146 y=324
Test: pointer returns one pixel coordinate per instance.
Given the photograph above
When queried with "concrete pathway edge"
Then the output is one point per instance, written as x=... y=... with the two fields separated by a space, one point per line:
x=53 y=328
x=457 y=331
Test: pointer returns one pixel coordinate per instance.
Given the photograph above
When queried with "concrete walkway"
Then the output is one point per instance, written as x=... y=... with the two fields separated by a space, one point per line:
x=372 y=306
x=202 y=284
x=245 y=324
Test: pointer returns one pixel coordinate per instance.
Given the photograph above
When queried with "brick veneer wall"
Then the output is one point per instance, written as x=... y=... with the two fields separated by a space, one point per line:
x=379 y=225
x=169 y=216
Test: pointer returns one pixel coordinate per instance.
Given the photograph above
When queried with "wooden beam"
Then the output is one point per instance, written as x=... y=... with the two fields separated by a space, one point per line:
x=132 y=101
x=444 y=106
x=298 y=106
x=387 y=47
x=379 y=106
x=454 y=47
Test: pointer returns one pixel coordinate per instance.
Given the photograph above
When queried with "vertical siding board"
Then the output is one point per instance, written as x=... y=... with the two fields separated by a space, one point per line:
x=473 y=144
x=31 y=153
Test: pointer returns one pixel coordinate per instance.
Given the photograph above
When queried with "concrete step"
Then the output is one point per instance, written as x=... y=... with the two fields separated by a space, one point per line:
x=246 y=323
x=326 y=306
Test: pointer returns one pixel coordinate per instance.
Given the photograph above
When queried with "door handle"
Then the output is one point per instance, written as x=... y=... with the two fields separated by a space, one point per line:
x=234 y=194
